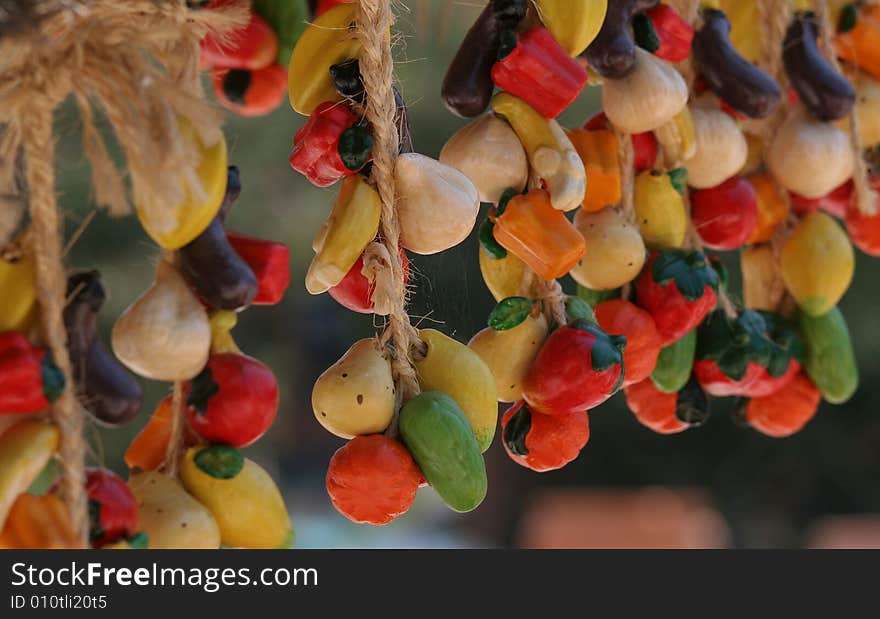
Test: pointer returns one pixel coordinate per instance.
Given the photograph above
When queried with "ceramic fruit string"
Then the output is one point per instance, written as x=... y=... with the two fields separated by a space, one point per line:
x=416 y=406
x=222 y=400
x=34 y=280
x=248 y=64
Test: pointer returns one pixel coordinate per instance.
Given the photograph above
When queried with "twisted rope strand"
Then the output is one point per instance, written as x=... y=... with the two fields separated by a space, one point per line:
x=374 y=21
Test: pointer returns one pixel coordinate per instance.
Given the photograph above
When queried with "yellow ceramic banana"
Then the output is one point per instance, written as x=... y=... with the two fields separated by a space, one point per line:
x=25 y=449
x=327 y=41
x=551 y=154
x=353 y=223
x=18 y=293
x=573 y=23
x=172 y=227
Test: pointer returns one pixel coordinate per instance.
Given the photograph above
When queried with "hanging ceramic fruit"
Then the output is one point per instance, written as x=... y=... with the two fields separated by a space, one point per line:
x=829 y=359
x=241 y=496
x=29 y=381
x=785 y=412
x=543 y=442
x=642 y=340
x=170 y=517
x=615 y=252
x=668 y=413
x=372 y=479
x=678 y=288
x=579 y=367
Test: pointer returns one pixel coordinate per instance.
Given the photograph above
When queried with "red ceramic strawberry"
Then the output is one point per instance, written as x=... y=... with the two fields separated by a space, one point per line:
x=579 y=367
x=677 y=288
x=754 y=355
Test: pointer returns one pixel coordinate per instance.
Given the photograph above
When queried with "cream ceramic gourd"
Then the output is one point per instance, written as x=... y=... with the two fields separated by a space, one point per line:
x=437 y=204
x=809 y=157
x=171 y=518
x=165 y=334
x=648 y=98
x=490 y=154
x=721 y=149
x=355 y=395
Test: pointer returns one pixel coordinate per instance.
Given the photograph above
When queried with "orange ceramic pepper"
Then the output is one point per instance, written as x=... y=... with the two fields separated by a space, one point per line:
x=598 y=151
x=147 y=450
x=38 y=523
x=860 y=46
x=772 y=208
x=530 y=228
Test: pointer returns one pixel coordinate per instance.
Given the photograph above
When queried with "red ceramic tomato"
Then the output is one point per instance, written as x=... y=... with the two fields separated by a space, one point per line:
x=667 y=413
x=578 y=367
x=836 y=203
x=113 y=511
x=643 y=343
x=785 y=412
x=373 y=479
x=725 y=216
x=543 y=442
x=251 y=92
x=355 y=291
x=677 y=288
x=233 y=401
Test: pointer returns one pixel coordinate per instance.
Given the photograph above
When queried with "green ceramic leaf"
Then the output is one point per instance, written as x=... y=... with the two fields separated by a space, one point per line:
x=645 y=35
x=509 y=313
x=689 y=270
x=487 y=240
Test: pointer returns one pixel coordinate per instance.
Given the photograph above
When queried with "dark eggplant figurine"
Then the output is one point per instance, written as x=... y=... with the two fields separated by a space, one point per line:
x=103 y=386
x=467 y=87
x=743 y=86
x=348 y=81
x=612 y=54
x=827 y=94
x=210 y=265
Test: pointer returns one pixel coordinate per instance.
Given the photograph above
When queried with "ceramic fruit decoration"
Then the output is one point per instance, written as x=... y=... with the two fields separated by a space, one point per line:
x=392 y=451
x=668 y=413
x=543 y=442
x=248 y=64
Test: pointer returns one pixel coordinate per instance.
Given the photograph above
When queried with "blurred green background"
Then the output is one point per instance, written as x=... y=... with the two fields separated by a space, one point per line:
x=758 y=491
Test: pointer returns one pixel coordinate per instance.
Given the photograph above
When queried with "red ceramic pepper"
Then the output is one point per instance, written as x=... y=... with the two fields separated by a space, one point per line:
x=543 y=442
x=725 y=216
x=578 y=367
x=355 y=291
x=644 y=144
x=254 y=46
x=836 y=203
x=677 y=288
x=539 y=71
x=270 y=262
x=113 y=511
x=251 y=92
x=233 y=401
x=330 y=145
x=29 y=381
x=674 y=33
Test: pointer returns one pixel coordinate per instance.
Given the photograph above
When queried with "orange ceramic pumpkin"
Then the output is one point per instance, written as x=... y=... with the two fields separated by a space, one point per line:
x=372 y=479
x=543 y=442
x=786 y=411
x=643 y=343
